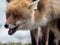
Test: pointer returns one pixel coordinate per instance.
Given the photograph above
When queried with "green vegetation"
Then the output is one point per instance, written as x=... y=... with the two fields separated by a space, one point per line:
x=14 y=44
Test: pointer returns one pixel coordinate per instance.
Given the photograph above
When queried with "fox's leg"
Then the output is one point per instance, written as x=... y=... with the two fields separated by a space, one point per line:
x=42 y=41
x=34 y=37
x=45 y=36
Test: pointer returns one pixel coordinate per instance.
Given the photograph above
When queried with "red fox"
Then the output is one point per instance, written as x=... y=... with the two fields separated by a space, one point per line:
x=33 y=16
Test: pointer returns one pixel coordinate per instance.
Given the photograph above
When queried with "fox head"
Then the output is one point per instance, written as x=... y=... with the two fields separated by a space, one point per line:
x=20 y=16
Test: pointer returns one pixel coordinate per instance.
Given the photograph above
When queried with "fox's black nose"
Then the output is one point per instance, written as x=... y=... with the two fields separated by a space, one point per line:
x=6 y=25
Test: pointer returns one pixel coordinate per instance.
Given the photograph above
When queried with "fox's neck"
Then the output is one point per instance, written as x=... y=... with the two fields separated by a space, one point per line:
x=40 y=18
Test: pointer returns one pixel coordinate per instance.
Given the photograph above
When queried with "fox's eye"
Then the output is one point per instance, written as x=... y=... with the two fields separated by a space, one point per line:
x=15 y=16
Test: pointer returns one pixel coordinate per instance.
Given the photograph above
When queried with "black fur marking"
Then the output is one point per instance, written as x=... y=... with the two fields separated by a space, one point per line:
x=33 y=39
x=42 y=41
x=54 y=43
x=8 y=0
x=33 y=33
x=59 y=42
x=51 y=38
x=34 y=0
x=58 y=24
x=40 y=6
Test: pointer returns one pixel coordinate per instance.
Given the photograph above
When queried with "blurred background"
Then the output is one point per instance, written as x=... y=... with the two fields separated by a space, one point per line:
x=20 y=37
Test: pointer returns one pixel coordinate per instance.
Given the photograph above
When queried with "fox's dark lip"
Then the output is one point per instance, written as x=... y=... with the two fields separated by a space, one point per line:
x=13 y=30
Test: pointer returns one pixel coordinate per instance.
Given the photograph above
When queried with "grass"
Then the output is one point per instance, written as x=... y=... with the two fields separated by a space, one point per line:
x=14 y=44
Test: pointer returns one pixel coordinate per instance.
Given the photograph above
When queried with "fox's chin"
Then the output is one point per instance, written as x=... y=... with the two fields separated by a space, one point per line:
x=12 y=30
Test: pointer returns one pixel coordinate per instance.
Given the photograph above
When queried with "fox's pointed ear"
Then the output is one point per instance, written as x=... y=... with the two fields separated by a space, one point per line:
x=34 y=5
x=9 y=1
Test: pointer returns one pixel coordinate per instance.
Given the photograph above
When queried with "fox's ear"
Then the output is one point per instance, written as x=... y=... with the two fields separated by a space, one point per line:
x=34 y=5
x=9 y=1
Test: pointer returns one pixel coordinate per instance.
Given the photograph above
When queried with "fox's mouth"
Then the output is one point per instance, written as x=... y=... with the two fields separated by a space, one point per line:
x=12 y=30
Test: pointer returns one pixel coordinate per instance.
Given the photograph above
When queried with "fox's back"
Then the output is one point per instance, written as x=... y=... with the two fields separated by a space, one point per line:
x=56 y=7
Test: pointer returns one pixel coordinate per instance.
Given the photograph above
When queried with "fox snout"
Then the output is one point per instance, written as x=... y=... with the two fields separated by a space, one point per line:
x=10 y=25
